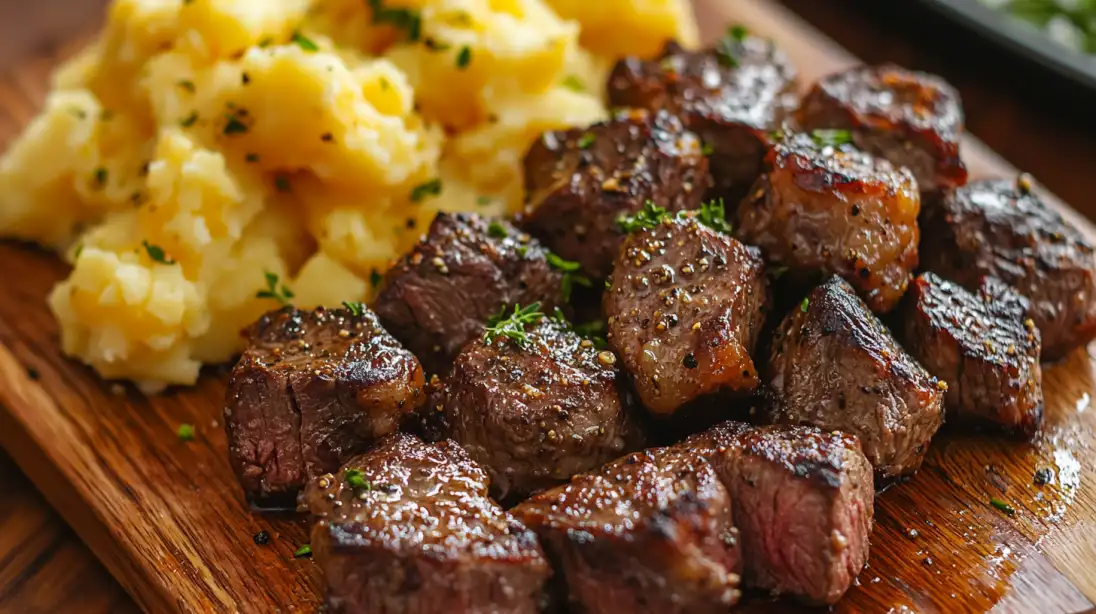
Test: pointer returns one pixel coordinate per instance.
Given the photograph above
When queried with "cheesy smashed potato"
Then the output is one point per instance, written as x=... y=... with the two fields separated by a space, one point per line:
x=205 y=160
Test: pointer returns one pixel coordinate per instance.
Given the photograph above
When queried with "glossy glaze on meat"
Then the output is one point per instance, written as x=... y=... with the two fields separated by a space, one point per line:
x=803 y=503
x=579 y=181
x=983 y=345
x=1001 y=228
x=408 y=527
x=913 y=119
x=536 y=413
x=823 y=209
x=731 y=96
x=312 y=389
x=685 y=307
x=648 y=533
x=439 y=296
x=834 y=365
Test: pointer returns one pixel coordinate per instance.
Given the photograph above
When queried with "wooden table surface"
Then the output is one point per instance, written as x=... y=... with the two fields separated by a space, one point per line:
x=45 y=568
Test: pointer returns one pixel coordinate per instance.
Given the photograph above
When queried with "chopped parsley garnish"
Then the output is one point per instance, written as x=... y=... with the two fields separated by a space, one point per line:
x=649 y=217
x=274 y=290
x=281 y=183
x=356 y=479
x=571 y=275
x=433 y=45
x=266 y=42
x=586 y=140
x=726 y=48
x=234 y=125
x=252 y=157
x=483 y=201
x=713 y=215
x=706 y=149
x=189 y=120
x=375 y=278
x=303 y=551
x=355 y=308
x=245 y=78
x=156 y=253
x=185 y=432
x=831 y=138
x=778 y=272
x=423 y=190
x=261 y=538
x=512 y=326
x=407 y=20
x=573 y=83
x=496 y=230
x=805 y=304
x=79 y=250
x=187 y=85
x=1001 y=505
x=304 y=42
x=464 y=57
x=100 y=177
x=738 y=32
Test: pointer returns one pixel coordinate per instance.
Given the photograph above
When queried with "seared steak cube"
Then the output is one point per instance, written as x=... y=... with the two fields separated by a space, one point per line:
x=579 y=181
x=911 y=118
x=1002 y=229
x=685 y=306
x=983 y=345
x=649 y=533
x=408 y=527
x=826 y=208
x=534 y=403
x=803 y=503
x=312 y=389
x=732 y=96
x=834 y=365
x=440 y=295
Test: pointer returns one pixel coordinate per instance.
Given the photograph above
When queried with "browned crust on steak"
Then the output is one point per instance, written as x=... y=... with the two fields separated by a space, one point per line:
x=913 y=119
x=685 y=307
x=650 y=532
x=823 y=210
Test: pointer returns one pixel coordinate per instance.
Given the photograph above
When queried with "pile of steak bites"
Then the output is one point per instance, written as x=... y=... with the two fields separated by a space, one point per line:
x=667 y=383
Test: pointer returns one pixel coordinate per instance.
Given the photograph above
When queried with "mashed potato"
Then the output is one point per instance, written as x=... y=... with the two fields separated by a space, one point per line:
x=205 y=160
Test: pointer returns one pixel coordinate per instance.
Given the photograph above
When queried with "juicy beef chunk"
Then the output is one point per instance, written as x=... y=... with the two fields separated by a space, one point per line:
x=1002 y=229
x=803 y=503
x=983 y=345
x=834 y=365
x=579 y=181
x=911 y=118
x=408 y=527
x=731 y=96
x=312 y=389
x=651 y=532
x=826 y=208
x=440 y=295
x=685 y=306
x=535 y=404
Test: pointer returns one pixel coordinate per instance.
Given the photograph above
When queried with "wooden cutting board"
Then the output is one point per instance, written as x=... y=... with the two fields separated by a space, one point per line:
x=168 y=520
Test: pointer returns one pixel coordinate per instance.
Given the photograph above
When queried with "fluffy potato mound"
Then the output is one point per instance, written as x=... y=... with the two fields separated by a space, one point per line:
x=205 y=160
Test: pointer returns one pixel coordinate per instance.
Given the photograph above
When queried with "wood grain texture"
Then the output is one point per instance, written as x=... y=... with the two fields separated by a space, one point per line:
x=168 y=521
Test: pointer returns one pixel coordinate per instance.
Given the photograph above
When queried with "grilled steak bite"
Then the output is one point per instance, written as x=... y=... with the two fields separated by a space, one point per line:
x=911 y=118
x=732 y=96
x=834 y=365
x=534 y=403
x=312 y=389
x=826 y=208
x=579 y=181
x=983 y=345
x=685 y=306
x=408 y=527
x=1002 y=229
x=803 y=503
x=650 y=532
x=459 y=274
